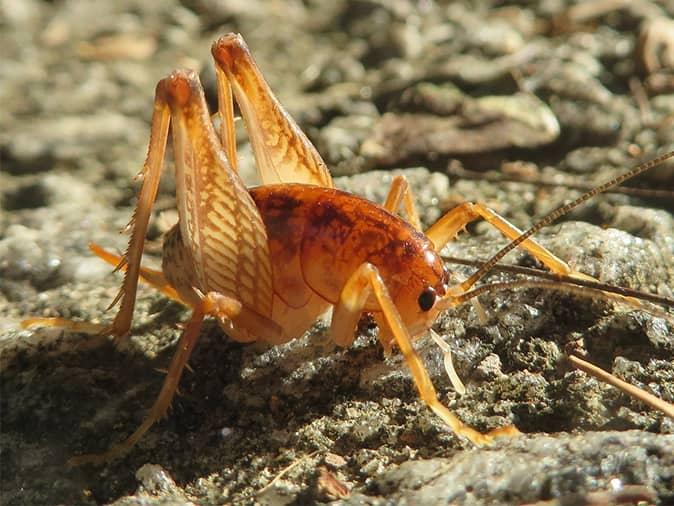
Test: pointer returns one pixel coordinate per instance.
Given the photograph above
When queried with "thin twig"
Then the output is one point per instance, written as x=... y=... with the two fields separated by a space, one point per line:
x=285 y=471
x=634 y=391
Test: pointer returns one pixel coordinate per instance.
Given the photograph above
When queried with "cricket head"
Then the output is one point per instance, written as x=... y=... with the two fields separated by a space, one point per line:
x=418 y=290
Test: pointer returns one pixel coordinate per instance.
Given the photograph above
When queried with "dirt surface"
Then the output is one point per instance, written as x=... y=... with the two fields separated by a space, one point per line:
x=542 y=90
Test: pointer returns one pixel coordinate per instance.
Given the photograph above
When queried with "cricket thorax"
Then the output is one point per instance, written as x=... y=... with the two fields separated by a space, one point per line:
x=322 y=235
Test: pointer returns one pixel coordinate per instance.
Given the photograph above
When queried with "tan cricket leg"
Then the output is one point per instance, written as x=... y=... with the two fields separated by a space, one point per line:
x=258 y=328
x=400 y=190
x=226 y=111
x=65 y=324
x=346 y=314
x=214 y=304
x=447 y=227
x=152 y=277
x=347 y=311
x=283 y=153
x=155 y=279
x=352 y=300
x=174 y=86
x=150 y=175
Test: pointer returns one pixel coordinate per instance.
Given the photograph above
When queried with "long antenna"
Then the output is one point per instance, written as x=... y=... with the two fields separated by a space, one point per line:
x=576 y=289
x=551 y=276
x=561 y=211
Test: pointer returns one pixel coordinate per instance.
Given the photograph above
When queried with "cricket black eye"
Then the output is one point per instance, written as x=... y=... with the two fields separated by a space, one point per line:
x=426 y=299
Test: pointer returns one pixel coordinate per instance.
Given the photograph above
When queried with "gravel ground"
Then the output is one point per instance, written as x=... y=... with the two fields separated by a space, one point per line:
x=541 y=90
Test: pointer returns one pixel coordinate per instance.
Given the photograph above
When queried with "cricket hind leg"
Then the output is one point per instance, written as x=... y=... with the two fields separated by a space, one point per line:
x=365 y=281
x=130 y=261
x=283 y=153
x=220 y=306
x=154 y=278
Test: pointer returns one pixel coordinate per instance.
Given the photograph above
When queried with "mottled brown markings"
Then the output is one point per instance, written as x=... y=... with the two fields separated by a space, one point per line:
x=277 y=209
x=330 y=224
x=334 y=230
x=326 y=213
x=334 y=222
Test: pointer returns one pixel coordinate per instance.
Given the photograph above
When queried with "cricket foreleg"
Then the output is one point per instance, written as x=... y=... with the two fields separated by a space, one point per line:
x=366 y=280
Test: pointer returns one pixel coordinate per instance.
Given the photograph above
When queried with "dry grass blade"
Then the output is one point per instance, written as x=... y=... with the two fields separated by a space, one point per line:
x=636 y=392
x=286 y=470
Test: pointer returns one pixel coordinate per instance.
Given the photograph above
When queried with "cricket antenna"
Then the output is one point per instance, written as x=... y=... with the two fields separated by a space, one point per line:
x=561 y=211
x=559 y=279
